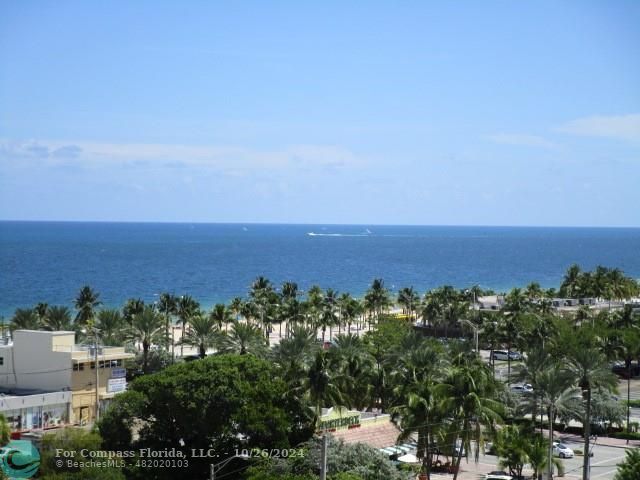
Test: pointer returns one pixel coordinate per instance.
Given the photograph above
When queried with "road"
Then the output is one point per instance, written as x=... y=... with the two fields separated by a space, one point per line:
x=603 y=464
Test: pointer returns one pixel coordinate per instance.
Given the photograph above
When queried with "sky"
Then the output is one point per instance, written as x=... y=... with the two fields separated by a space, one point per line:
x=431 y=113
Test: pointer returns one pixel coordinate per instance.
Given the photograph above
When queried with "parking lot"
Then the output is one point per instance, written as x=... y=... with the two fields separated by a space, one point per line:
x=603 y=463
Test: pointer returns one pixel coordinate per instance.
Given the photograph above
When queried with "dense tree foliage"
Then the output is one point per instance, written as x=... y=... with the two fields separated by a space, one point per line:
x=222 y=403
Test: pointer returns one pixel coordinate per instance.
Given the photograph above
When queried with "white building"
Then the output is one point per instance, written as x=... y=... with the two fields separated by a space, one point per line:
x=52 y=362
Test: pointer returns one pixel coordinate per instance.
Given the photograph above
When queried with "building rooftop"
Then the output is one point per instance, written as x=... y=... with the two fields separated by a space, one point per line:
x=377 y=436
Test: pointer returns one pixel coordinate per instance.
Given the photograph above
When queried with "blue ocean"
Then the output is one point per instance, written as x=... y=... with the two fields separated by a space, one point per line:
x=50 y=261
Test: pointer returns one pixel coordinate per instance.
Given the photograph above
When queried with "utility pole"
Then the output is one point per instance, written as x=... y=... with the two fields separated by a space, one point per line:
x=323 y=460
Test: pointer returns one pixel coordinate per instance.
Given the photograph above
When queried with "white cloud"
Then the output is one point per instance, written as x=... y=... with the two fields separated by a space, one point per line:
x=522 y=139
x=232 y=158
x=623 y=127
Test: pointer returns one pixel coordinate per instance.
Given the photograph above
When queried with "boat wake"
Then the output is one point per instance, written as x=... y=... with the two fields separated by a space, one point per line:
x=314 y=234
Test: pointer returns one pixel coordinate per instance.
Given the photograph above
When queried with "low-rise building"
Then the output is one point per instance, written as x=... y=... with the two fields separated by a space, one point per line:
x=52 y=362
x=27 y=410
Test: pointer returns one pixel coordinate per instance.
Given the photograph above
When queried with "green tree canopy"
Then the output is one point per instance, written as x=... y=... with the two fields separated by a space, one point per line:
x=223 y=403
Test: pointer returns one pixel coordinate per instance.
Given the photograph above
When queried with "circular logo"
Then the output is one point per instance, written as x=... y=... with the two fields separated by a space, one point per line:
x=19 y=459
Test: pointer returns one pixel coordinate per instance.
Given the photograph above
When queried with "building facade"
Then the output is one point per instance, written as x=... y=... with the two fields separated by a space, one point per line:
x=52 y=362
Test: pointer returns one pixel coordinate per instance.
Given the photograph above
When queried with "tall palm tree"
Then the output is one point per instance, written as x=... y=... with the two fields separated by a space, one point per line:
x=243 y=339
x=294 y=353
x=533 y=365
x=186 y=307
x=111 y=324
x=314 y=305
x=58 y=319
x=203 y=334
x=355 y=365
x=289 y=290
x=221 y=315
x=24 y=319
x=471 y=399
x=86 y=303
x=534 y=292
x=420 y=370
x=133 y=306
x=591 y=369
x=168 y=306
x=431 y=309
x=321 y=384
x=42 y=310
x=515 y=307
x=557 y=394
x=327 y=318
x=236 y=306
x=570 y=283
x=409 y=300
x=377 y=297
x=146 y=329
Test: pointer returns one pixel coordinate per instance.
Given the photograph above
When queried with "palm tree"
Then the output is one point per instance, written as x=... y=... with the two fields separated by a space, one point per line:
x=203 y=333
x=146 y=329
x=327 y=318
x=244 y=339
x=377 y=297
x=86 y=303
x=236 y=307
x=321 y=384
x=110 y=324
x=570 y=283
x=58 y=319
x=409 y=300
x=591 y=369
x=294 y=353
x=186 y=307
x=355 y=364
x=420 y=369
x=291 y=312
x=289 y=290
x=24 y=319
x=533 y=365
x=168 y=306
x=314 y=305
x=133 y=306
x=431 y=309
x=534 y=292
x=470 y=397
x=558 y=396
x=515 y=306
x=42 y=310
x=221 y=315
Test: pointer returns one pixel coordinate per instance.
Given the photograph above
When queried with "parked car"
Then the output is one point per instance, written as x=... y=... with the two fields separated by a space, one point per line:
x=561 y=450
x=504 y=355
x=498 y=475
x=520 y=389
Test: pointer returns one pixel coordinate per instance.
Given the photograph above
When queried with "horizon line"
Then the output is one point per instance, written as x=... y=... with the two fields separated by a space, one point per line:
x=167 y=222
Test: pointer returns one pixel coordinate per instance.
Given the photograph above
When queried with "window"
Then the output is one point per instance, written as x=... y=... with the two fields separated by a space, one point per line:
x=93 y=365
x=78 y=367
x=1 y=360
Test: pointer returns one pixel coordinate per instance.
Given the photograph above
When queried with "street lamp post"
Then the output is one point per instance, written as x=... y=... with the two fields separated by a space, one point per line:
x=476 y=330
x=216 y=467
